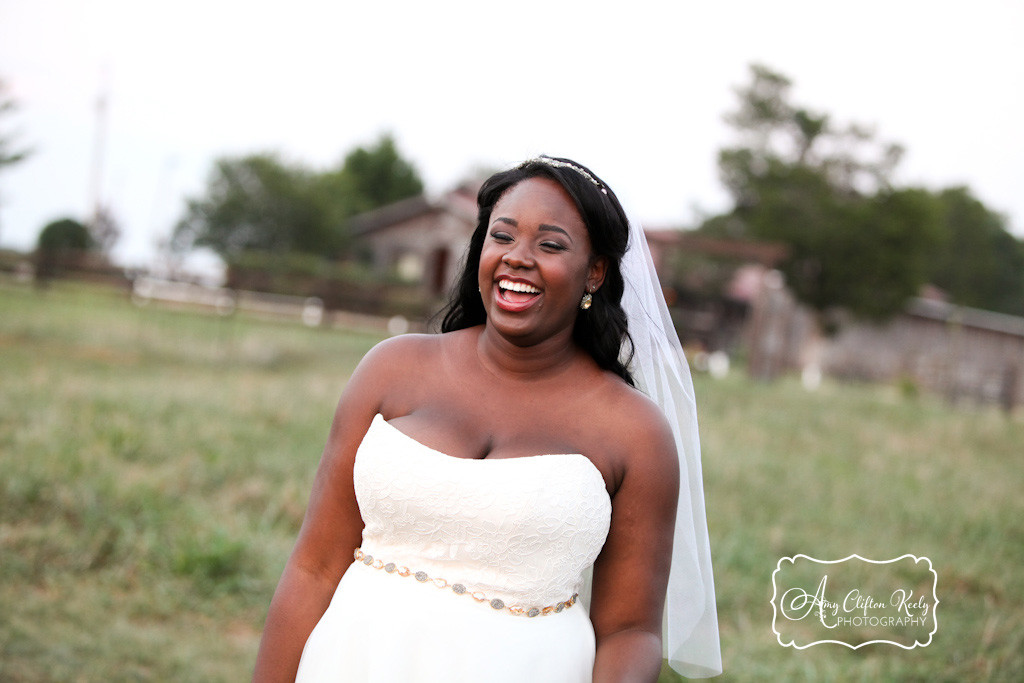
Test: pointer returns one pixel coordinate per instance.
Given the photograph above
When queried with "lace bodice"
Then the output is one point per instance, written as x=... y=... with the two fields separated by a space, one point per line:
x=520 y=529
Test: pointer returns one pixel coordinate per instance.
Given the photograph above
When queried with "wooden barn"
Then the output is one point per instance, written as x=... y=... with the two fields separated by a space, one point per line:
x=420 y=240
x=965 y=354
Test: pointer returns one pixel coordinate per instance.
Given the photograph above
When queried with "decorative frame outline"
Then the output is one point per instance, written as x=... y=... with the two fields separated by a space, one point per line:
x=794 y=558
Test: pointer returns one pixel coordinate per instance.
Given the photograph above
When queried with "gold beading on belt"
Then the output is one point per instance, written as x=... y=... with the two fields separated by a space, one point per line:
x=460 y=589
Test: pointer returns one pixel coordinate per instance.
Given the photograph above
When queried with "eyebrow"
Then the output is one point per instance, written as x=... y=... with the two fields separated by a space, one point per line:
x=543 y=227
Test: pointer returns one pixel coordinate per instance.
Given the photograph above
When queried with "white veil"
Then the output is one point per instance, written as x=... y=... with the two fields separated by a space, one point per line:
x=659 y=367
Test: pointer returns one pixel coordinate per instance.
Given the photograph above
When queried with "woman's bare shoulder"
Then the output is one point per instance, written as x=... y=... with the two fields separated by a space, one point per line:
x=636 y=427
x=415 y=352
x=388 y=365
x=403 y=367
x=402 y=349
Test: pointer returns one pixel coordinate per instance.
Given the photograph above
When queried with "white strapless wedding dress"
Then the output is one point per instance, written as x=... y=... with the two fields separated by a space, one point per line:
x=456 y=556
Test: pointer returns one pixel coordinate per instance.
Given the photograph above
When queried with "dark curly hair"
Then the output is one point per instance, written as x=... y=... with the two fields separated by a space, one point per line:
x=600 y=331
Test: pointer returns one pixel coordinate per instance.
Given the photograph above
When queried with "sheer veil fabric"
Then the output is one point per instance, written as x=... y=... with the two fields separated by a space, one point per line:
x=690 y=624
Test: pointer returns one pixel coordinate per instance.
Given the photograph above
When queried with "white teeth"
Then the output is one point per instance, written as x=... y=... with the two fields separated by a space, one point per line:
x=518 y=287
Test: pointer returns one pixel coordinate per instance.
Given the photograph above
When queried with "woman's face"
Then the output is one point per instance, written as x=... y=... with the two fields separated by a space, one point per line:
x=536 y=262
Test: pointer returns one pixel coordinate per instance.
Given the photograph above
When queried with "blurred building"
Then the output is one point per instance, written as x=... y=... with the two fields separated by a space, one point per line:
x=964 y=354
x=726 y=295
x=420 y=240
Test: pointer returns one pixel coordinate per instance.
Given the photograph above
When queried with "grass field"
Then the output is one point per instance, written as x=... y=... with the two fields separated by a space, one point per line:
x=154 y=467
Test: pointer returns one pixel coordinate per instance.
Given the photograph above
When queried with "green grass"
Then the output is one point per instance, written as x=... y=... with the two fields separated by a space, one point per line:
x=154 y=467
x=861 y=469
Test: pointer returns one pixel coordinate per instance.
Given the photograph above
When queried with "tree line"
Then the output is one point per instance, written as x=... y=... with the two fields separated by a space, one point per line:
x=261 y=212
x=261 y=203
x=856 y=240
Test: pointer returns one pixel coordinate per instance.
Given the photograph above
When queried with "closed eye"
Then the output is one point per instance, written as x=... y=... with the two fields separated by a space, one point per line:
x=554 y=246
x=501 y=236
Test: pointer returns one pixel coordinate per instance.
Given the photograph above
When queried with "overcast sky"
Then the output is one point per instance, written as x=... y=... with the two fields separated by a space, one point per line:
x=636 y=90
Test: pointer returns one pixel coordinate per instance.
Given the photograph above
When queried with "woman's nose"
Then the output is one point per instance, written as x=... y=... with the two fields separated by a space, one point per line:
x=518 y=256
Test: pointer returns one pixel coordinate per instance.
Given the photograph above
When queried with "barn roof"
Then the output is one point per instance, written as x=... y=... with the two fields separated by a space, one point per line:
x=969 y=317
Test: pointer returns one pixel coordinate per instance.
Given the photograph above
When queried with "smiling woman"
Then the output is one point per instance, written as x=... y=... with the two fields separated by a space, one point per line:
x=480 y=476
x=581 y=206
x=536 y=262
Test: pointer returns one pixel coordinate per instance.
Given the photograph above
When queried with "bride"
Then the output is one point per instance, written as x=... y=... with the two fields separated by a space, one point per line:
x=477 y=485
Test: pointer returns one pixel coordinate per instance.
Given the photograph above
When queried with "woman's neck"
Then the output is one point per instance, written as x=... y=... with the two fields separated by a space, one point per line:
x=505 y=359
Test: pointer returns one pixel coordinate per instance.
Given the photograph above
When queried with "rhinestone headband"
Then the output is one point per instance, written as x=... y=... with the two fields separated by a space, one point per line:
x=557 y=163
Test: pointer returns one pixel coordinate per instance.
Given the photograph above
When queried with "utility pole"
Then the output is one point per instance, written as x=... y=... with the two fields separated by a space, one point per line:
x=101 y=224
x=98 y=150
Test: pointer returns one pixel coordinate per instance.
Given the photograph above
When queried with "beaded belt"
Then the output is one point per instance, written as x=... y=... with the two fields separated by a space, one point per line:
x=460 y=589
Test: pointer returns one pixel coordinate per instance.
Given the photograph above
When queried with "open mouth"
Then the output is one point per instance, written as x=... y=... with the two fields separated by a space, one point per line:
x=517 y=293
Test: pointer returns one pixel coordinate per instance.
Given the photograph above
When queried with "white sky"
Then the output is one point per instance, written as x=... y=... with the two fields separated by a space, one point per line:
x=636 y=90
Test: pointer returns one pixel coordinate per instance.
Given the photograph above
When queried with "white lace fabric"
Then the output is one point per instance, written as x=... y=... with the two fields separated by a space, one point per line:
x=523 y=530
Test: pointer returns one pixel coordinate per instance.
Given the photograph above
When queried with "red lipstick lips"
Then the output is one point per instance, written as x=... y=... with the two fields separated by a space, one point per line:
x=515 y=294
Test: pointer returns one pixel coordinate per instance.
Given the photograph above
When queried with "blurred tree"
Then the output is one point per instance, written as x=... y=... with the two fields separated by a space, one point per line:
x=61 y=247
x=825 y=191
x=259 y=203
x=9 y=154
x=980 y=263
x=375 y=176
x=63 y=236
x=368 y=178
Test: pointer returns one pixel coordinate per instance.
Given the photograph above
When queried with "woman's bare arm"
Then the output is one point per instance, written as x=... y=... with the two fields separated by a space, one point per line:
x=332 y=526
x=631 y=574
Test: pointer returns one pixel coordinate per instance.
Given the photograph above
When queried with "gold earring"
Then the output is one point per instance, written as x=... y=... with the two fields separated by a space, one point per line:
x=587 y=301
